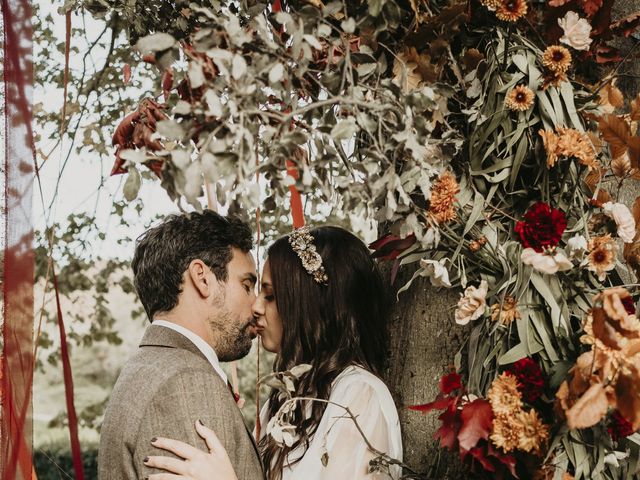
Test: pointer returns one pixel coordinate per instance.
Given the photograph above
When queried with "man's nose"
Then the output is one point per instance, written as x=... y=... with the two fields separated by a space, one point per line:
x=257 y=307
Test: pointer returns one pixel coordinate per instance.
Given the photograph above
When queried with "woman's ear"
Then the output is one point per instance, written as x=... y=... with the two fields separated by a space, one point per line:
x=201 y=277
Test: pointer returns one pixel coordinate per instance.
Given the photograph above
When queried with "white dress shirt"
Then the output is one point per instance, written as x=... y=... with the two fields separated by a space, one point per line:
x=206 y=349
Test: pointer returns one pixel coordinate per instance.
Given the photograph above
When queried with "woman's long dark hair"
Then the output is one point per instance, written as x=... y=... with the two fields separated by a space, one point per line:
x=327 y=326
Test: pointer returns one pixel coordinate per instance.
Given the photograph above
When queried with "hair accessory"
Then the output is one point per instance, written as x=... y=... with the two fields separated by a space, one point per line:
x=302 y=243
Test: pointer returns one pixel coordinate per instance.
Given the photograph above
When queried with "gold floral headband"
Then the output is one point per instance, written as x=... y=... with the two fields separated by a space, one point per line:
x=302 y=243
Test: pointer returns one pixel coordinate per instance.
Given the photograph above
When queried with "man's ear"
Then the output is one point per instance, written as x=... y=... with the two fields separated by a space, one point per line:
x=201 y=277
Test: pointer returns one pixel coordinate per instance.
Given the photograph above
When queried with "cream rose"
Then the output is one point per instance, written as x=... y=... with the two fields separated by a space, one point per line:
x=472 y=304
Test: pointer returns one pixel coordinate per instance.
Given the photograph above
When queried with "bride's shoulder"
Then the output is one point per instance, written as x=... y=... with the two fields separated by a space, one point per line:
x=354 y=377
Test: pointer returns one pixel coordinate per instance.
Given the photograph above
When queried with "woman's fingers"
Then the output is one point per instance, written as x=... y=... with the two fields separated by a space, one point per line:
x=209 y=436
x=181 y=449
x=169 y=464
x=165 y=476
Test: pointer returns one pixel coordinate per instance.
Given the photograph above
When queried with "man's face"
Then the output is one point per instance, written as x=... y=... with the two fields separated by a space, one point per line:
x=232 y=321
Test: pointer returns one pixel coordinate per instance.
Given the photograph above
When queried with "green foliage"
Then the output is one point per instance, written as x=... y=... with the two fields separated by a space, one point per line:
x=55 y=462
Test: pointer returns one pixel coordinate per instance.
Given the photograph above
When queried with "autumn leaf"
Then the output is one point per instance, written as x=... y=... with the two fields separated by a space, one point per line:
x=635 y=109
x=390 y=246
x=611 y=97
x=589 y=409
x=126 y=73
x=590 y=7
x=628 y=397
x=477 y=419
x=439 y=403
x=634 y=151
x=616 y=132
x=558 y=3
x=627 y=25
x=607 y=54
x=480 y=455
x=447 y=434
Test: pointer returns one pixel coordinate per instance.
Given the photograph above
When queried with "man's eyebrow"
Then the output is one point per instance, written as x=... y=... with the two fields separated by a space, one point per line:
x=251 y=277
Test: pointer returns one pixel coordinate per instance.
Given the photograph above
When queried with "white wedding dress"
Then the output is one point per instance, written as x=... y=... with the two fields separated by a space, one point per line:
x=370 y=401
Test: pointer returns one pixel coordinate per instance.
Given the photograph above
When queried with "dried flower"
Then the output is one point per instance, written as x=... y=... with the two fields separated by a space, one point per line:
x=623 y=218
x=549 y=262
x=477 y=244
x=505 y=432
x=602 y=255
x=491 y=4
x=506 y=311
x=577 y=245
x=573 y=143
x=534 y=433
x=542 y=227
x=550 y=141
x=443 y=197
x=557 y=59
x=472 y=304
x=530 y=379
x=519 y=99
x=553 y=79
x=577 y=31
x=436 y=272
x=511 y=10
x=504 y=395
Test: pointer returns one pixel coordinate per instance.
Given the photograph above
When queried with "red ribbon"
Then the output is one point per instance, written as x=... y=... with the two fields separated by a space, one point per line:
x=68 y=387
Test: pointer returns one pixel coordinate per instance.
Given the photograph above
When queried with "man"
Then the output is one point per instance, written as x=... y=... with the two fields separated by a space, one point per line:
x=196 y=279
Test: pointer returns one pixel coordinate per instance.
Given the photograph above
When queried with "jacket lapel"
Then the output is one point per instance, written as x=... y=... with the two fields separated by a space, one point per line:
x=159 y=336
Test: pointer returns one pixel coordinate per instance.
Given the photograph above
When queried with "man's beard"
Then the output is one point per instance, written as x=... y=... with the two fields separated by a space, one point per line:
x=234 y=340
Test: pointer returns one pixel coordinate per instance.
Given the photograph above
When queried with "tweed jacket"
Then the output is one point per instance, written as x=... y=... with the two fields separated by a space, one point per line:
x=162 y=390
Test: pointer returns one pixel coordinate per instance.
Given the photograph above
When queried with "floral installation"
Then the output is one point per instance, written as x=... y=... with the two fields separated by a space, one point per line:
x=490 y=140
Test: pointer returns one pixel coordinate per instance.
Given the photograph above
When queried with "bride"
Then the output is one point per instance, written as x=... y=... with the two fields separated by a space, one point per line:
x=322 y=302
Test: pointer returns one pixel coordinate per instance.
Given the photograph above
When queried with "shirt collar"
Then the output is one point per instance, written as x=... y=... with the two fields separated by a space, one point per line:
x=206 y=349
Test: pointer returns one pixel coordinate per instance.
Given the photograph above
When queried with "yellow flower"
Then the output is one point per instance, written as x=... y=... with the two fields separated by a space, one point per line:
x=573 y=143
x=505 y=433
x=507 y=312
x=533 y=432
x=504 y=395
x=557 y=59
x=602 y=255
x=443 y=197
x=511 y=10
x=519 y=99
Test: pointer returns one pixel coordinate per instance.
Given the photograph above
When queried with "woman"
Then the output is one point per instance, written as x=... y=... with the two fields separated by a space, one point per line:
x=322 y=302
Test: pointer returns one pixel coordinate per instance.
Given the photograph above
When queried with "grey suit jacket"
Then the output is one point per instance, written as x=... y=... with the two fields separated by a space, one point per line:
x=162 y=390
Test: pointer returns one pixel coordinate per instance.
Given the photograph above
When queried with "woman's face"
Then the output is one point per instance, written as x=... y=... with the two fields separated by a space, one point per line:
x=266 y=314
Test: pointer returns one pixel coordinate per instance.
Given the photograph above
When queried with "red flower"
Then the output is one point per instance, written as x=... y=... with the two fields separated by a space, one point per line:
x=629 y=306
x=450 y=382
x=542 y=227
x=530 y=379
x=619 y=427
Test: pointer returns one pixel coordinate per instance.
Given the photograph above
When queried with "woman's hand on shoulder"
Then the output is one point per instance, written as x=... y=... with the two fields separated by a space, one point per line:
x=196 y=464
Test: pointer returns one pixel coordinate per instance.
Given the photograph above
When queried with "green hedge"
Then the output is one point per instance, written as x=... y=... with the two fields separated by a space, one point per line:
x=51 y=462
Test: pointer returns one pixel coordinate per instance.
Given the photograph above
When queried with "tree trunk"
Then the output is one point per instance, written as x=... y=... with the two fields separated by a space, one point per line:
x=423 y=342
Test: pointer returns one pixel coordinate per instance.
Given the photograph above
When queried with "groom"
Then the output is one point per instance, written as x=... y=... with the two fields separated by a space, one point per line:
x=195 y=277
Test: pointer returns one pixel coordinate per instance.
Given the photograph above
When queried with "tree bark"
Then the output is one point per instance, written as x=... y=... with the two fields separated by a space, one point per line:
x=424 y=340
